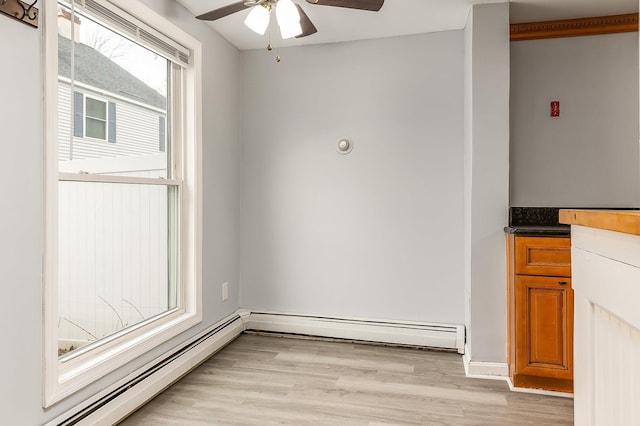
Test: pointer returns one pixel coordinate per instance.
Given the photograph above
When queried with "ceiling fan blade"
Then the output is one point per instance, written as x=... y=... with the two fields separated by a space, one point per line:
x=223 y=11
x=307 y=26
x=372 y=5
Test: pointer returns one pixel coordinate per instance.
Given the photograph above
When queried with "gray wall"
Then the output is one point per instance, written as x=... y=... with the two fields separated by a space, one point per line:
x=21 y=225
x=377 y=233
x=21 y=217
x=588 y=157
x=486 y=170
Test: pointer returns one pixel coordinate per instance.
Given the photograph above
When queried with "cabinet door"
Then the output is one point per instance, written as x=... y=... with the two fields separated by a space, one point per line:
x=544 y=326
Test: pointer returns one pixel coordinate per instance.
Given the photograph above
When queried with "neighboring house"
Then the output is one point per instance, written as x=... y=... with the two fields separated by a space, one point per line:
x=114 y=113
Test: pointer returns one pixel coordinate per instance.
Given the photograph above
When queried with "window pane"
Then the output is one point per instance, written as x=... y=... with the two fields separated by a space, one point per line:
x=115 y=268
x=96 y=128
x=132 y=87
x=96 y=109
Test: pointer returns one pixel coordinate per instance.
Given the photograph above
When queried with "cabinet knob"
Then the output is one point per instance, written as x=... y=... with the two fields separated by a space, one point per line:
x=563 y=282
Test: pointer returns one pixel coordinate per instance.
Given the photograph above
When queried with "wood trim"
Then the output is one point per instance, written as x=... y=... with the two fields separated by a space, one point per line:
x=511 y=304
x=626 y=221
x=575 y=27
x=522 y=381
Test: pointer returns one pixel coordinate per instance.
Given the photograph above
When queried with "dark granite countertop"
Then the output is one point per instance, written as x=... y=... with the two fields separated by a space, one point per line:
x=539 y=230
x=536 y=221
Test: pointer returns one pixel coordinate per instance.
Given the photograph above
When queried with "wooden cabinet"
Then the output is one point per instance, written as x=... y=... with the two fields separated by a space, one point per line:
x=540 y=309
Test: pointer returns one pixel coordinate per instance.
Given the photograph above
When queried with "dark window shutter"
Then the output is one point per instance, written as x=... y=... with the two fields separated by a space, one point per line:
x=78 y=114
x=163 y=134
x=112 y=122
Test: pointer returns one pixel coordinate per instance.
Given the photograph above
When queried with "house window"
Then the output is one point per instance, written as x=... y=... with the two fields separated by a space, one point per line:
x=99 y=121
x=123 y=219
x=95 y=118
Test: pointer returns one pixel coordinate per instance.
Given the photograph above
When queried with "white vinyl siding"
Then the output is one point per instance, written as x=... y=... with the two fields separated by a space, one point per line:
x=138 y=131
x=122 y=226
x=133 y=123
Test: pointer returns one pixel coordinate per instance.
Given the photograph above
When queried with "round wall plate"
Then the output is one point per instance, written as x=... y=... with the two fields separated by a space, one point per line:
x=344 y=146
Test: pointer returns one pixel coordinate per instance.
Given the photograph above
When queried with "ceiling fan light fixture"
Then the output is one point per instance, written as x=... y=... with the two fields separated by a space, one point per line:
x=258 y=19
x=288 y=19
x=290 y=29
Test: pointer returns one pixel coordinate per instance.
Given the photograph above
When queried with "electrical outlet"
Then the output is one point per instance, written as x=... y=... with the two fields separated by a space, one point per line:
x=225 y=291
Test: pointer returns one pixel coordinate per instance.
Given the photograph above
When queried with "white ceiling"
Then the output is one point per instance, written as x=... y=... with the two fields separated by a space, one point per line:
x=398 y=17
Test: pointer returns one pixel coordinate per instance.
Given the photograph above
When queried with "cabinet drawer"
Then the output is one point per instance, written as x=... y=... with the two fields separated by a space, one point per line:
x=548 y=256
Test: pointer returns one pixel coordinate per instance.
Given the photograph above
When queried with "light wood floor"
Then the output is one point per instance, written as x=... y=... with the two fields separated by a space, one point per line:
x=266 y=380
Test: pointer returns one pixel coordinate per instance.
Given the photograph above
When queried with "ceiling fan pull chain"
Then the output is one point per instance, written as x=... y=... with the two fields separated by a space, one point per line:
x=270 y=47
x=278 y=59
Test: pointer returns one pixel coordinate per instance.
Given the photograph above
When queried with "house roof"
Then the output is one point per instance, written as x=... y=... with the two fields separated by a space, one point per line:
x=95 y=69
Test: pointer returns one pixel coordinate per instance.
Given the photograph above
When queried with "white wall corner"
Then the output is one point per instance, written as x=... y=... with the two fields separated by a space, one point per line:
x=466 y=359
x=245 y=316
x=486 y=164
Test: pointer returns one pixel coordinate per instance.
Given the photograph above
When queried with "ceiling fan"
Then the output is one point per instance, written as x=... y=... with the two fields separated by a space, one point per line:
x=292 y=19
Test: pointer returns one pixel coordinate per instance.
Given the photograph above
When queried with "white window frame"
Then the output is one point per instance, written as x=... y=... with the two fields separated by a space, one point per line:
x=62 y=379
x=85 y=115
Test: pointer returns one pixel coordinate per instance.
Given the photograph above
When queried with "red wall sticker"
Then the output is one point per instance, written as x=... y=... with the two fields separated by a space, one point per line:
x=555 y=108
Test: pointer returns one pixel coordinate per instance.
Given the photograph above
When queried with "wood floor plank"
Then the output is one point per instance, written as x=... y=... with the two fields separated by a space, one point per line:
x=335 y=361
x=267 y=380
x=422 y=391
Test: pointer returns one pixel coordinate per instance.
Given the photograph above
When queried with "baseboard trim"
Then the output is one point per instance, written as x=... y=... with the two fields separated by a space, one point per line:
x=488 y=370
x=484 y=370
x=124 y=397
x=444 y=336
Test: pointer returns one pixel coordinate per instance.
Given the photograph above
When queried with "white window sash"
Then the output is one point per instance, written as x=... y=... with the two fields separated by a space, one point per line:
x=99 y=178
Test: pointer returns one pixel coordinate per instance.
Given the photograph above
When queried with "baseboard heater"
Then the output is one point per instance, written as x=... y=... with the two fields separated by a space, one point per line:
x=443 y=336
x=144 y=384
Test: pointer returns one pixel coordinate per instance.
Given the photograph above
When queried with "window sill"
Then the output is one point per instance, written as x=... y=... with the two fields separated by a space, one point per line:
x=76 y=373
